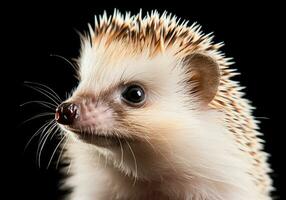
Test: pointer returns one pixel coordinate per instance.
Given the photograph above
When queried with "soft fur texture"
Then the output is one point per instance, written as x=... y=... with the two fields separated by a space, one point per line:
x=174 y=147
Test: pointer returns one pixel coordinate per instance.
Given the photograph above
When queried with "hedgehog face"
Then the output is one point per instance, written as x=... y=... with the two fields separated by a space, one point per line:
x=132 y=98
x=133 y=101
x=119 y=94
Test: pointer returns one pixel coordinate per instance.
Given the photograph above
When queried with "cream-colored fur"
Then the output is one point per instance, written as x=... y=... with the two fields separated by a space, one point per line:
x=198 y=161
x=186 y=151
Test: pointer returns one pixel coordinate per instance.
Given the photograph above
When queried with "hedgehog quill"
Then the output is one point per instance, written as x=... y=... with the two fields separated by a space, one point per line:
x=157 y=116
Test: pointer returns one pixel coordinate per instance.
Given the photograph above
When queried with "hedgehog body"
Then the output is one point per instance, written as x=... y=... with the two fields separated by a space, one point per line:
x=194 y=137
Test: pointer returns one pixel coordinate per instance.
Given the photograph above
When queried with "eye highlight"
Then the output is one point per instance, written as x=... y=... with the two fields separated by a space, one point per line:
x=133 y=95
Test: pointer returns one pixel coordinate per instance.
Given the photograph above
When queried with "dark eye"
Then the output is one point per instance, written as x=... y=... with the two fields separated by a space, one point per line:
x=134 y=95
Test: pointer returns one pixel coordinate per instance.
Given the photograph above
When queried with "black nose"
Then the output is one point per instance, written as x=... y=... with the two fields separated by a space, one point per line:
x=66 y=113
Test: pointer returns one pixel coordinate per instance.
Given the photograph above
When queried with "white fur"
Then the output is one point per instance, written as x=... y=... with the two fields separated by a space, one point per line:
x=191 y=154
x=202 y=163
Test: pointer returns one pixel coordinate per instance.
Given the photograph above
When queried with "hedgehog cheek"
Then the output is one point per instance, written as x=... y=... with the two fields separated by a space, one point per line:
x=204 y=76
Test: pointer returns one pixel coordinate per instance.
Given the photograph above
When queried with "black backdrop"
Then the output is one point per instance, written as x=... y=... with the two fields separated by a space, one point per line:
x=252 y=34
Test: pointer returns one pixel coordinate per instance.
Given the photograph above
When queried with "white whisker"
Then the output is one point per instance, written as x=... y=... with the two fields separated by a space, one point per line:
x=122 y=152
x=47 y=94
x=48 y=123
x=47 y=87
x=38 y=116
x=45 y=137
x=43 y=103
x=135 y=162
x=56 y=148
x=62 y=150
x=69 y=167
x=65 y=59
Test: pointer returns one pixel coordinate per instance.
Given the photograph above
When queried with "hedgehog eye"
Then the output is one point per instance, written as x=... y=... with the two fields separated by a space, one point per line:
x=133 y=95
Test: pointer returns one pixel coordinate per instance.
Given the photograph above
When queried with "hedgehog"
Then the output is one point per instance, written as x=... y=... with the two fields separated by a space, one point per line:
x=156 y=115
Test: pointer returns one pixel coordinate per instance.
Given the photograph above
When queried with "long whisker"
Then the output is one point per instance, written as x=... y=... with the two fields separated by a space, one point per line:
x=135 y=161
x=46 y=124
x=46 y=93
x=56 y=148
x=55 y=132
x=65 y=59
x=49 y=128
x=47 y=87
x=121 y=149
x=43 y=133
x=38 y=116
x=105 y=159
x=69 y=167
x=43 y=103
x=45 y=137
x=62 y=150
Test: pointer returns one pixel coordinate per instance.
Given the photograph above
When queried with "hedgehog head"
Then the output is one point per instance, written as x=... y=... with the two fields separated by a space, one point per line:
x=144 y=82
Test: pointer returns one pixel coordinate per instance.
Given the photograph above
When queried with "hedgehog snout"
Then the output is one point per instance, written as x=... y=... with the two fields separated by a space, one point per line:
x=67 y=113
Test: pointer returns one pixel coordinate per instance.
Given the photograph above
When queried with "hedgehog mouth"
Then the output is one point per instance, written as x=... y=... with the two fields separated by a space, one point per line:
x=99 y=138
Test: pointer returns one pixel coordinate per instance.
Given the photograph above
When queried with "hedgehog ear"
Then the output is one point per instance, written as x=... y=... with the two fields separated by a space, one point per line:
x=205 y=74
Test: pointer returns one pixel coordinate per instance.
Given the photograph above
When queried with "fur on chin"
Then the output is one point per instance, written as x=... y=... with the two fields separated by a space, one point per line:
x=200 y=163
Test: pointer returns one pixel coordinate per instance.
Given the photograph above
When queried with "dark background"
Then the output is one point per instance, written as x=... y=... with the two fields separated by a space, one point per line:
x=253 y=35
